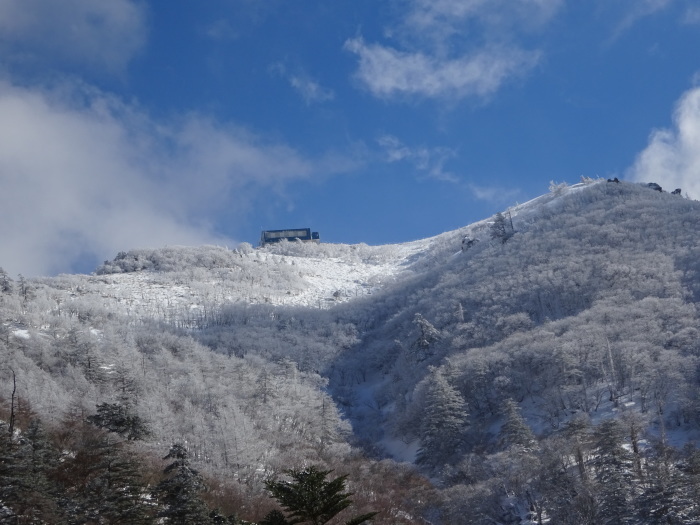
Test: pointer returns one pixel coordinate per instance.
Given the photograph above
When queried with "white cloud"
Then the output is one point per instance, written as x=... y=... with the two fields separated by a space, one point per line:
x=672 y=157
x=387 y=72
x=97 y=177
x=627 y=13
x=430 y=161
x=310 y=90
x=637 y=10
x=452 y=48
x=692 y=15
x=494 y=194
x=440 y=19
x=221 y=29
x=104 y=34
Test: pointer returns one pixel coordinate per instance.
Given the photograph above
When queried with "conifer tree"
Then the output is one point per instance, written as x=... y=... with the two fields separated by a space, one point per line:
x=115 y=490
x=179 y=491
x=274 y=517
x=25 y=463
x=515 y=432
x=10 y=475
x=120 y=419
x=443 y=422
x=310 y=498
x=39 y=459
x=26 y=290
x=667 y=497
x=614 y=466
x=501 y=229
x=6 y=286
x=428 y=333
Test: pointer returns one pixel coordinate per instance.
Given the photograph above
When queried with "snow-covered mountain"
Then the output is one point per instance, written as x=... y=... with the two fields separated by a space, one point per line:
x=485 y=356
x=165 y=282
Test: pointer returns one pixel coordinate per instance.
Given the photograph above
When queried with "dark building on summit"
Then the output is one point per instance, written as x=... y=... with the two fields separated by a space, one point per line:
x=296 y=234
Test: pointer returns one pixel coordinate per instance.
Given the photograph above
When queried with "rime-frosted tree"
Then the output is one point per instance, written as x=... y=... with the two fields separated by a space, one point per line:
x=26 y=290
x=428 y=334
x=444 y=418
x=515 y=432
x=6 y=285
x=501 y=229
x=668 y=496
x=614 y=467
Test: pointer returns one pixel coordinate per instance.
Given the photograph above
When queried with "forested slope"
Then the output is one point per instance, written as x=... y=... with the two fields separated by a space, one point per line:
x=584 y=316
x=548 y=371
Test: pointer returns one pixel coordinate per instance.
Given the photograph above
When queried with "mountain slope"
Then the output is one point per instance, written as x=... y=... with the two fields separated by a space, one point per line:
x=595 y=286
x=261 y=359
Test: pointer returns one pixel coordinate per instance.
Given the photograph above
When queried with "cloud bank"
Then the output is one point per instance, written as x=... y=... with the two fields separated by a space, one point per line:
x=83 y=174
x=672 y=157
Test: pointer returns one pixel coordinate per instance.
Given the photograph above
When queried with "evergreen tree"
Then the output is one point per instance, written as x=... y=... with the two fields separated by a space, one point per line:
x=666 y=498
x=558 y=492
x=501 y=229
x=310 y=498
x=428 y=333
x=115 y=490
x=26 y=291
x=614 y=467
x=126 y=387
x=6 y=286
x=25 y=463
x=40 y=459
x=118 y=418
x=179 y=491
x=578 y=433
x=443 y=422
x=515 y=432
x=690 y=490
x=10 y=476
x=427 y=336
x=274 y=517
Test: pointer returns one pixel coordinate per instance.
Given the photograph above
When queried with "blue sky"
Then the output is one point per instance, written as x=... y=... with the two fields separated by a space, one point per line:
x=134 y=123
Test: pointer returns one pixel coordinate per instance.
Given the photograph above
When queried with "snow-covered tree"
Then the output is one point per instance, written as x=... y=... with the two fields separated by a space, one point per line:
x=179 y=492
x=427 y=335
x=515 y=432
x=443 y=421
x=613 y=474
x=6 y=284
x=502 y=228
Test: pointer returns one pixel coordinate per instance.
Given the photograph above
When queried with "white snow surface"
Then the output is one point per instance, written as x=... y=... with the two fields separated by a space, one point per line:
x=318 y=281
x=316 y=276
x=21 y=334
